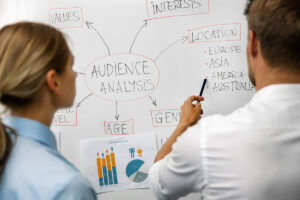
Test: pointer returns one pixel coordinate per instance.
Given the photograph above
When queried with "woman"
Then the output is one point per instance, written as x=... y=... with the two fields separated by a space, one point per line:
x=36 y=79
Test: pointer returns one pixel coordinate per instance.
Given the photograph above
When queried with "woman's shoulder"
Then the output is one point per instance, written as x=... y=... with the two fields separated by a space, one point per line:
x=34 y=165
x=77 y=188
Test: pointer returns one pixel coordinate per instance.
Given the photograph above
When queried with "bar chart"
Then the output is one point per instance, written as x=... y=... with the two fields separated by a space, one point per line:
x=107 y=170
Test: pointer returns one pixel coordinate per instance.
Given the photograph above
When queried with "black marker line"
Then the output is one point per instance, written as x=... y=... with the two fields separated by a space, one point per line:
x=153 y=101
x=117 y=115
x=89 y=25
x=182 y=40
x=84 y=99
x=144 y=26
x=80 y=73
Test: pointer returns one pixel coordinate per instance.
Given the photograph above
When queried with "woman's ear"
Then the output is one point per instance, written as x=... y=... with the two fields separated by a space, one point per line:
x=52 y=81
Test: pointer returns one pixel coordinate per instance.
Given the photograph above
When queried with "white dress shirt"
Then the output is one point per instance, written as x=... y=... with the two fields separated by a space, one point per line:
x=250 y=154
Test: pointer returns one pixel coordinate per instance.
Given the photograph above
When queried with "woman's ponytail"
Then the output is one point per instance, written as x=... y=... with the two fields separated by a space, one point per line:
x=5 y=146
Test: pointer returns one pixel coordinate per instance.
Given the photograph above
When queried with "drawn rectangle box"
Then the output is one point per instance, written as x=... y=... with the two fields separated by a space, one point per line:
x=66 y=17
x=65 y=117
x=165 y=117
x=203 y=9
x=119 y=127
x=221 y=32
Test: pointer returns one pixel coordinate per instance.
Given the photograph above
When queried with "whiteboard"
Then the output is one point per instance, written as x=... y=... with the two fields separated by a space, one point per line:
x=138 y=60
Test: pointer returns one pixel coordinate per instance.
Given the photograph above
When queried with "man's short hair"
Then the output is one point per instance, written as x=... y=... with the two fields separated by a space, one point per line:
x=276 y=24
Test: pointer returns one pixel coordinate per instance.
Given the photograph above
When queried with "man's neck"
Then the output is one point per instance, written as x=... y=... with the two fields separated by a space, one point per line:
x=277 y=77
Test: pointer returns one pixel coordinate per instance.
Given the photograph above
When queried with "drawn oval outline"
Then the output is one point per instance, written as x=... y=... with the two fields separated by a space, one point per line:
x=118 y=57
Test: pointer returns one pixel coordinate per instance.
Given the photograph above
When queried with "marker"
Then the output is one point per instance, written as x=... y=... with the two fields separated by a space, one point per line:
x=203 y=86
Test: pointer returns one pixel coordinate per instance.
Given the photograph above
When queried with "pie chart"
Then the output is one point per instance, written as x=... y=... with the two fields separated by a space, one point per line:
x=137 y=171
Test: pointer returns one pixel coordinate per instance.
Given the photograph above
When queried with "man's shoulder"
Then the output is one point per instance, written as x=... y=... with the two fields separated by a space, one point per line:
x=241 y=119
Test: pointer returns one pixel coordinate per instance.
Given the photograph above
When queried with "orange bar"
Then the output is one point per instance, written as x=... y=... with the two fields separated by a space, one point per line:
x=113 y=160
x=99 y=168
x=103 y=162
x=108 y=163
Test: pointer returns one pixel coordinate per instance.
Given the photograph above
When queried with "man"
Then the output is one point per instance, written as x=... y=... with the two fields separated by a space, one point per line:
x=253 y=153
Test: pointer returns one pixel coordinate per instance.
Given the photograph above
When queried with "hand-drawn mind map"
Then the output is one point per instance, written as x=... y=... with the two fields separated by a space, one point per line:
x=129 y=76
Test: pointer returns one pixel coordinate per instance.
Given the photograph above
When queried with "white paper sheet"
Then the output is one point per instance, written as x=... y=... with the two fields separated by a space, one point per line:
x=120 y=163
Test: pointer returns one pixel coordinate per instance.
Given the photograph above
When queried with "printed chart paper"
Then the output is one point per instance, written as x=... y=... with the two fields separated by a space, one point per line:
x=120 y=163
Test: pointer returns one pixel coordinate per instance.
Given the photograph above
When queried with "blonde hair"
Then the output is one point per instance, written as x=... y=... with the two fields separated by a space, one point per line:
x=27 y=52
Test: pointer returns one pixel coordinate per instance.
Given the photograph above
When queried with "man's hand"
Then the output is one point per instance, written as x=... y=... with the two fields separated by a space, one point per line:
x=190 y=113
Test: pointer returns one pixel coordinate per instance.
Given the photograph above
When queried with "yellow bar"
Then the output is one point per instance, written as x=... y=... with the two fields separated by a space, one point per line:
x=108 y=163
x=113 y=160
x=99 y=168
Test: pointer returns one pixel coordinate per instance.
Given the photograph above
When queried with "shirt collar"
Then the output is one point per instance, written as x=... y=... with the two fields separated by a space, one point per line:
x=278 y=92
x=31 y=129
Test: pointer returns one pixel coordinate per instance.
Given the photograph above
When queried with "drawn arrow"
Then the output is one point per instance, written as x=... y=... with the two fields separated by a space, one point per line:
x=80 y=73
x=90 y=26
x=153 y=101
x=144 y=25
x=84 y=100
x=117 y=115
x=182 y=40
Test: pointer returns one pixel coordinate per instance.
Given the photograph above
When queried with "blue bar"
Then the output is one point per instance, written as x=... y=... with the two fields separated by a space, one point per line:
x=101 y=181
x=115 y=175
x=110 y=178
x=105 y=175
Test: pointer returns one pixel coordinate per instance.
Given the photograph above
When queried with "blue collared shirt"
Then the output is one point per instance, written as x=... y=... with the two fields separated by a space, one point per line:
x=36 y=170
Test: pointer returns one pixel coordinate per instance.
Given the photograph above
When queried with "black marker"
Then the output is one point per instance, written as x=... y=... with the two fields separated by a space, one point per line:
x=203 y=86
